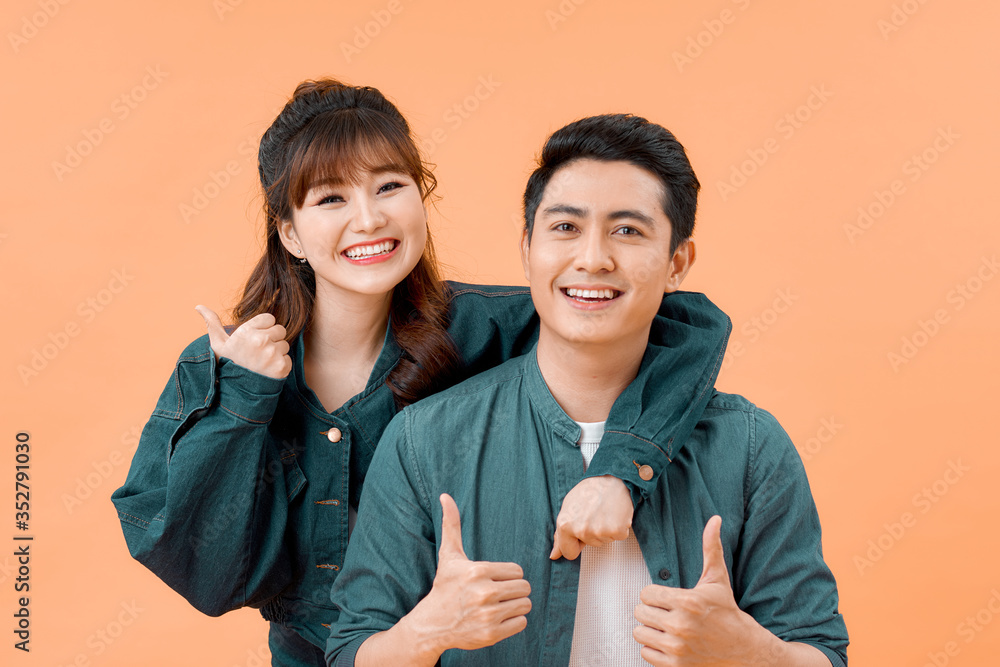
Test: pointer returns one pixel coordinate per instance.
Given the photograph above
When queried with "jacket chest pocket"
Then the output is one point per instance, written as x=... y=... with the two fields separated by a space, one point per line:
x=284 y=473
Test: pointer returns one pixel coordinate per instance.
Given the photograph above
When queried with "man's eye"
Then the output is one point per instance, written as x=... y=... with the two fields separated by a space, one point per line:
x=564 y=227
x=628 y=231
x=390 y=186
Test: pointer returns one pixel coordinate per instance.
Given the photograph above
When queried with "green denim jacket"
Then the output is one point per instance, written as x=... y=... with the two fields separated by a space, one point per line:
x=237 y=496
x=505 y=450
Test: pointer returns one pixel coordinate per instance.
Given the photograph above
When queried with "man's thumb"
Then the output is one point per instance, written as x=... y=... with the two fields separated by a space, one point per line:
x=451 y=530
x=714 y=570
x=216 y=333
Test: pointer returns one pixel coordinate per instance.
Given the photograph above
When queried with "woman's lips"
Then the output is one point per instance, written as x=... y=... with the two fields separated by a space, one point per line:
x=371 y=253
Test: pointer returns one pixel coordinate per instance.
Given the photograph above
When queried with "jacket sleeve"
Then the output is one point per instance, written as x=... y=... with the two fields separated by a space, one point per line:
x=490 y=324
x=779 y=575
x=657 y=412
x=392 y=557
x=204 y=505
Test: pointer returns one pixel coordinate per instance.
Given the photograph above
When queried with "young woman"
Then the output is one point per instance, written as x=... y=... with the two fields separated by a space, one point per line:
x=245 y=483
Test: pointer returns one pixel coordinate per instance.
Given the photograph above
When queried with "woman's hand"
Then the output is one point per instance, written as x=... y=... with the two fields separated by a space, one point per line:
x=597 y=511
x=258 y=344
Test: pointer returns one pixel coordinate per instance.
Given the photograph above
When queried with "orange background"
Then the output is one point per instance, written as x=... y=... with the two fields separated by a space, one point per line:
x=817 y=305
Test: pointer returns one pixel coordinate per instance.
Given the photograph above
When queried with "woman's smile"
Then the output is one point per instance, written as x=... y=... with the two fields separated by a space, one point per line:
x=371 y=252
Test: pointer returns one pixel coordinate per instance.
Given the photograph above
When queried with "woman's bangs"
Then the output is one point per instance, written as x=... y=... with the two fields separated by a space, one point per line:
x=339 y=146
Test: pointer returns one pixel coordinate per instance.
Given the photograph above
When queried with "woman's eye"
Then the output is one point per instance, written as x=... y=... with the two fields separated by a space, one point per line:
x=390 y=186
x=330 y=199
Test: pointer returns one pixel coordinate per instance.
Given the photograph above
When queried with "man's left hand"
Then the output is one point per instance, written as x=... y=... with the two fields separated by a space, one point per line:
x=597 y=511
x=698 y=626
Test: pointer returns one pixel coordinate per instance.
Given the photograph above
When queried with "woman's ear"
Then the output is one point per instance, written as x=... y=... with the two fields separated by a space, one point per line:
x=289 y=239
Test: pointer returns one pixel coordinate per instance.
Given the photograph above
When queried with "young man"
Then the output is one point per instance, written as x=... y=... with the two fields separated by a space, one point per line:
x=608 y=213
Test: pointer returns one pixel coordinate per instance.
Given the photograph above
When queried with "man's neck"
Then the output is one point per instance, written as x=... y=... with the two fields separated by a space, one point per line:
x=586 y=379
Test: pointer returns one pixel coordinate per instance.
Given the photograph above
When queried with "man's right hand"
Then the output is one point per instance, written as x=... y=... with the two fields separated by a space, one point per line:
x=472 y=604
x=258 y=344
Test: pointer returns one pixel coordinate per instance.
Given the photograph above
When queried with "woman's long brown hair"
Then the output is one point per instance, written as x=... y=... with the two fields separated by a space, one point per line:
x=329 y=130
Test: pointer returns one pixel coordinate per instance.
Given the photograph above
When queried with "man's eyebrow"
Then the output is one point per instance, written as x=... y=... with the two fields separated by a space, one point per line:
x=566 y=209
x=632 y=214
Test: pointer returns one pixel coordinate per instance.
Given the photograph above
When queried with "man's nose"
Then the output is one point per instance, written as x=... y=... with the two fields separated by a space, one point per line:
x=594 y=252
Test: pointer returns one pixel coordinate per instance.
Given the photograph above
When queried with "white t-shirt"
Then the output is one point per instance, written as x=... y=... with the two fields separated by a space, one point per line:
x=611 y=578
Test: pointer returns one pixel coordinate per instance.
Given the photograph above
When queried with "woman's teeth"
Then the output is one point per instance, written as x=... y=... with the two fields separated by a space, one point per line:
x=591 y=293
x=364 y=251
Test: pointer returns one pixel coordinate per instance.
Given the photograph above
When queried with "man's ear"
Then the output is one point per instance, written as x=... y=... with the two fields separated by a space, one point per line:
x=680 y=264
x=525 y=243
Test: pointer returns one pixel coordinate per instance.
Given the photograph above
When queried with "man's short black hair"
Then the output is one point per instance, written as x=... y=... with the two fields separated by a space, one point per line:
x=625 y=138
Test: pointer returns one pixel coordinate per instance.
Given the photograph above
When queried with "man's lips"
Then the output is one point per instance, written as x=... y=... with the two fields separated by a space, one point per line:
x=591 y=294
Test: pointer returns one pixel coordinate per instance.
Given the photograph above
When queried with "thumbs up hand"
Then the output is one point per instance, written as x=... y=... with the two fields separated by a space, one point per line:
x=472 y=604
x=699 y=626
x=258 y=344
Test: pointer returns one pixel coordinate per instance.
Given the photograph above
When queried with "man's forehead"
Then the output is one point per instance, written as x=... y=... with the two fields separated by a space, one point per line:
x=588 y=184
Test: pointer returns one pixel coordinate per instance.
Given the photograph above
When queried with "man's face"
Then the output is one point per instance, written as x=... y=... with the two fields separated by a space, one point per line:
x=599 y=257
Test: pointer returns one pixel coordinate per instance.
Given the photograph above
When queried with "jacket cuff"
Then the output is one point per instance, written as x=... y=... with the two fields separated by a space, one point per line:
x=246 y=394
x=835 y=658
x=636 y=461
x=345 y=657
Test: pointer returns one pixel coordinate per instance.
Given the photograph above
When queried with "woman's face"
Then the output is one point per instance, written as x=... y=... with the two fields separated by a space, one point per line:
x=361 y=238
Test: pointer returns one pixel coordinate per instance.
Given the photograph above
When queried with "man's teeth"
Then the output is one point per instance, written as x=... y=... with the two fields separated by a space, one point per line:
x=361 y=251
x=591 y=293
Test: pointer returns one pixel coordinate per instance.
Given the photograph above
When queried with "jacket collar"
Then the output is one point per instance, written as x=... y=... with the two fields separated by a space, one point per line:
x=675 y=381
x=387 y=359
